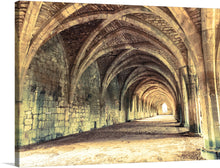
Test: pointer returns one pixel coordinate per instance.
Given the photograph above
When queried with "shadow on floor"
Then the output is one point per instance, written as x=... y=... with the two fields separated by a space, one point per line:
x=133 y=130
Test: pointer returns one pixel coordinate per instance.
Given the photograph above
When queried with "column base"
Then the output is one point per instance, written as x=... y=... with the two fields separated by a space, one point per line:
x=184 y=125
x=210 y=154
x=195 y=134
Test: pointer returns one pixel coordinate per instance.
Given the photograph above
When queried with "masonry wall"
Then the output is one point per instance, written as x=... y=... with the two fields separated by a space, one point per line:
x=46 y=113
x=113 y=113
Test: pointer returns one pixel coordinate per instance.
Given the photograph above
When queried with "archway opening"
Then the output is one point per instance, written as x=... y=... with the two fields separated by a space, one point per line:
x=164 y=108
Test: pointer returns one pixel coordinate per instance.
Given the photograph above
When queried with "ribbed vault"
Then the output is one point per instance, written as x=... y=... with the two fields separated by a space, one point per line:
x=135 y=57
x=147 y=40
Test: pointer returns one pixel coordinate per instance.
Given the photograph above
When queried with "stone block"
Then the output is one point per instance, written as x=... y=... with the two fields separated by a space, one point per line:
x=25 y=141
x=61 y=103
x=41 y=124
x=27 y=128
x=71 y=110
x=51 y=131
x=34 y=111
x=32 y=134
x=67 y=116
x=43 y=117
x=72 y=130
x=55 y=117
x=53 y=110
x=28 y=112
x=48 y=117
x=44 y=132
x=28 y=121
x=67 y=124
x=40 y=117
x=58 y=110
x=47 y=138
x=62 y=110
x=48 y=124
x=66 y=131
x=61 y=123
x=35 y=123
x=61 y=117
x=59 y=130
x=29 y=116
x=56 y=124
x=73 y=115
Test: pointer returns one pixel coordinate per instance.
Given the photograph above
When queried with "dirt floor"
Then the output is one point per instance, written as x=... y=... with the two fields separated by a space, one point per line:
x=150 y=140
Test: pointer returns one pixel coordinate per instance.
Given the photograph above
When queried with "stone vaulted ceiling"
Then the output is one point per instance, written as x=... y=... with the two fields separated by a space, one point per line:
x=143 y=46
x=128 y=60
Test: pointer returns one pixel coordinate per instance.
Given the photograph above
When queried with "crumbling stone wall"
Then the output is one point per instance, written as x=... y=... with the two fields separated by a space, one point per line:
x=45 y=90
x=47 y=113
x=86 y=101
x=112 y=112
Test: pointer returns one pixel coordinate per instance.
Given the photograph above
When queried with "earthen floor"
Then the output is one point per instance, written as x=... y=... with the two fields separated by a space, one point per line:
x=149 y=140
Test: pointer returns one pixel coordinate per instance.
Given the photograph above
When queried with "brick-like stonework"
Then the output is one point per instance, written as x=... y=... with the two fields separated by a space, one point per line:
x=150 y=56
x=46 y=113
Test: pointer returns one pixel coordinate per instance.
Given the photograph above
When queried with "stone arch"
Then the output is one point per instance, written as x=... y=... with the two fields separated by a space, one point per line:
x=157 y=33
x=155 y=94
x=135 y=76
x=165 y=41
x=159 y=91
x=64 y=13
x=156 y=80
x=41 y=35
x=145 y=49
x=151 y=65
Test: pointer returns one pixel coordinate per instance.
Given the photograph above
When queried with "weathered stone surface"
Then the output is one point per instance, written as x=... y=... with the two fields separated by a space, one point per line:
x=103 y=68
x=27 y=128
x=28 y=121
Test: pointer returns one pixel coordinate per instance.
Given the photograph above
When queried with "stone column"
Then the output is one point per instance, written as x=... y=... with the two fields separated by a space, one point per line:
x=212 y=130
x=134 y=107
x=193 y=103
x=185 y=111
x=189 y=84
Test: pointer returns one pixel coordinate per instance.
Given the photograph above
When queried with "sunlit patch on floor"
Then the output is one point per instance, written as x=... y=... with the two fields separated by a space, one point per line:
x=152 y=140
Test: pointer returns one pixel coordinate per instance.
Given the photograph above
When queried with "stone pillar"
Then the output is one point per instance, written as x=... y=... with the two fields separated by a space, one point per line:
x=189 y=84
x=211 y=136
x=185 y=111
x=134 y=107
x=131 y=108
x=193 y=104
x=178 y=115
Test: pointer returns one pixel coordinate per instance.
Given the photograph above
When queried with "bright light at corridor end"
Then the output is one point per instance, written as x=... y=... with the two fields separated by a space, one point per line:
x=164 y=107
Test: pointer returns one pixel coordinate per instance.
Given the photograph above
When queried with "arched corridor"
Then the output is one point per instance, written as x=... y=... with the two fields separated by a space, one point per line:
x=94 y=67
x=150 y=140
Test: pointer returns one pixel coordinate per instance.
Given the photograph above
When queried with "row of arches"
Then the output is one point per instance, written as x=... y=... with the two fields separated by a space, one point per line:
x=156 y=56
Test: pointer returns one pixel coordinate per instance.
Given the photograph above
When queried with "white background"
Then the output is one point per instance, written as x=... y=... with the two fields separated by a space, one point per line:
x=7 y=80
